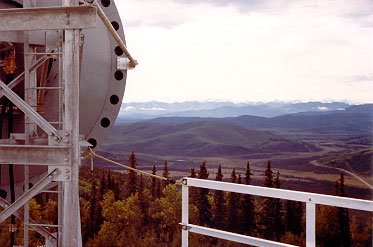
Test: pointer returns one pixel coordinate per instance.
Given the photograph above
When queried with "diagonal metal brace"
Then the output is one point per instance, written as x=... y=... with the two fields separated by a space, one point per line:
x=29 y=194
x=20 y=77
x=44 y=232
x=23 y=106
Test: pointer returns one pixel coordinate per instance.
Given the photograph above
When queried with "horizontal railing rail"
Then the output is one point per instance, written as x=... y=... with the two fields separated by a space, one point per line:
x=311 y=199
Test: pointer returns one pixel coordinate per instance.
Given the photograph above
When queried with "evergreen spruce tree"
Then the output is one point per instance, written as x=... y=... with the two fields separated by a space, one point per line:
x=103 y=189
x=103 y=184
x=268 y=176
x=143 y=206
x=131 y=183
x=297 y=228
x=204 y=206
x=267 y=212
x=219 y=209
x=193 y=172
x=158 y=189
x=248 y=214
x=240 y=209
x=192 y=190
x=232 y=206
x=239 y=181
x=165 y=174
x=154 y=183
x=112 y=184
x=109 y=181
x=278 y=211
x=289 y=215
x=91 y=227
x=344 y=234
x=293 y=217
x=141 y=184
x=233 y=176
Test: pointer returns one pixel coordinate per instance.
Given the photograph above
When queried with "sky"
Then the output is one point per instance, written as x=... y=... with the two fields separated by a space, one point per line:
x=249 y=50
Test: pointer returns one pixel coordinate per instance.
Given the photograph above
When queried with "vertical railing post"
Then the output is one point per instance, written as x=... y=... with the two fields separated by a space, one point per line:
x=185 y=214
x=310 y=224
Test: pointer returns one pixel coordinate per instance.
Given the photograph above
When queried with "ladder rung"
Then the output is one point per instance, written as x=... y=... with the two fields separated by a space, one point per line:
x=44 y=225
x=43 y=53
x=50 y=191
x=45 y=88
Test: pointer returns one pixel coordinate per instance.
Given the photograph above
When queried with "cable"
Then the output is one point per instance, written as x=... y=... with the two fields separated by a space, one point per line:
x=93 y=154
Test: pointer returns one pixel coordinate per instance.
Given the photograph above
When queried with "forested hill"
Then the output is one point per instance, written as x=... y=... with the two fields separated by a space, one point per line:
x=198 y=139
x=354 y=121
x=360 y=161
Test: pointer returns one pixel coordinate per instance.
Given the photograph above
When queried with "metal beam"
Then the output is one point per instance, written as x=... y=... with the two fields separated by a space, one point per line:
x=29 y=194
x=48 y=18
x=344 y=202
x=36 y=37
x=32 y=114
x=20 y=216
x=70 y=74
x=235 y=237
x=35 y=155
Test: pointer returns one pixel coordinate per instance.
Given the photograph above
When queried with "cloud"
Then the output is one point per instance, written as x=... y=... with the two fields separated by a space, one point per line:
x=153 y=13
x=322 y=108
x=361 y=78
x=132 y=108
x=195 y=50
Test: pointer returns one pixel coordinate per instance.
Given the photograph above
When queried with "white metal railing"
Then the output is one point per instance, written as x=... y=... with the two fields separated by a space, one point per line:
x=311 y=199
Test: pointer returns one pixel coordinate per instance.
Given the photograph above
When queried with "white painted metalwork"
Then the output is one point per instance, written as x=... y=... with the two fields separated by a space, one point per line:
x=123 y=63
x=29 y=194
x=19 y=78
x=48 y=18
x=20 y=216
x=328 y=200
x=30 y=154
x=311 y=199
x=60 y=50
x=310 y=224
x=27 y=109
x=235 y=237
x=185 y=215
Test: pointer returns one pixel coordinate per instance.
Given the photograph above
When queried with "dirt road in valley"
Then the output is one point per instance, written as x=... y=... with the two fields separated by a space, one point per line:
x=315 y=163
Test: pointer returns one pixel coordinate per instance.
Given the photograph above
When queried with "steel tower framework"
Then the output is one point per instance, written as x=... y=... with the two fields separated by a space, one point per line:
x=63 y=145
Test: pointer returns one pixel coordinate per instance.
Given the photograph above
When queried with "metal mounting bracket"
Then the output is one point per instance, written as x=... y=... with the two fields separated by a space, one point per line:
x=123 y=63
x=65 y=174
x=185 y=227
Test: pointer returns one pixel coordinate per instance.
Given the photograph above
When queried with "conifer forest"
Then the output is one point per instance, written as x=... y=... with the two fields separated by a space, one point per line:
x=128 y=209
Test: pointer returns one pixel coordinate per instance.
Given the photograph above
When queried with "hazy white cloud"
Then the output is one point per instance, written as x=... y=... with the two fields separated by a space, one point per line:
x=132 y=108
x=249 y=50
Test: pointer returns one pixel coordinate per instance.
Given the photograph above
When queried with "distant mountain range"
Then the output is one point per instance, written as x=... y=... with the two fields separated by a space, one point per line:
x=354 y=121
x=147 y=110
x=198 y=139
